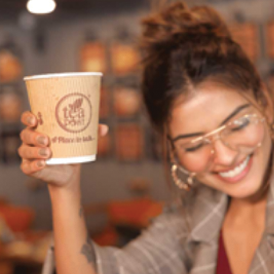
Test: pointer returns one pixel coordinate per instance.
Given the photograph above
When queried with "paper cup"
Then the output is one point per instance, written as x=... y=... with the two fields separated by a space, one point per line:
x=67 y=108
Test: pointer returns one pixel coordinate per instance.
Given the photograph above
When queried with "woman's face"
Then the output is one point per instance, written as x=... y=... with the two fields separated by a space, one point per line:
x=237 y=172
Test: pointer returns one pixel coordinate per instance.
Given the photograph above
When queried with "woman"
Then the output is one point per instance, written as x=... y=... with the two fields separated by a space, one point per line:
x=208 y=102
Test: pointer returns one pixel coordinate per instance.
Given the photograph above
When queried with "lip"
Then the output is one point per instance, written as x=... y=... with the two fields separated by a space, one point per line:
x=239 y=176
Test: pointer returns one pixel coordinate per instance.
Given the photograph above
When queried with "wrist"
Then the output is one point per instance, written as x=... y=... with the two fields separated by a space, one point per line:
x=71 y=183
x=60 y=194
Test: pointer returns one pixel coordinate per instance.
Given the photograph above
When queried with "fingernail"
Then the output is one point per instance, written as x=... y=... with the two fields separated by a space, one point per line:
x=30 y=120
x=41 y=140
x=40 y=163
x=43 y=152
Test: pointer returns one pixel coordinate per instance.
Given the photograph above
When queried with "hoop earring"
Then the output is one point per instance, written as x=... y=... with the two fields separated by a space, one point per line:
x=180 y=183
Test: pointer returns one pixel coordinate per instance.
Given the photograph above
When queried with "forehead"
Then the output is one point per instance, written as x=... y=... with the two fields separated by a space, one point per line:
x=205 y=108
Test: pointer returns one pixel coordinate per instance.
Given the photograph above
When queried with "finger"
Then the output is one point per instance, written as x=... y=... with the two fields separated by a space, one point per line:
x=32 y=167
x=103 y=130
x=29 y=119
x=31 y=137
x=27 y=152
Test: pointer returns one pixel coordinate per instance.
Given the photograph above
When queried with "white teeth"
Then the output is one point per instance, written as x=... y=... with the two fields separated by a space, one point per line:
x=236 y=171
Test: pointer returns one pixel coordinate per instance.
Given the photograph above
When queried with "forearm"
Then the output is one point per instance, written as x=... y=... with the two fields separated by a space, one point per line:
x=73 y=250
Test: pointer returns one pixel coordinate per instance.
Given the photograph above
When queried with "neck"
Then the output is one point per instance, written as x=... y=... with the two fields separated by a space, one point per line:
x=247 y=210
x=248 y=204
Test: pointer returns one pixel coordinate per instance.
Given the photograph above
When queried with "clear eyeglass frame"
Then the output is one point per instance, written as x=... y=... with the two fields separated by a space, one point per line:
x=217 y=133
x=221 y=133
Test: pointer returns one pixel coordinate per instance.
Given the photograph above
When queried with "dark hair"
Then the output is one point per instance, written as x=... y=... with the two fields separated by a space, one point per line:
x=182 y=48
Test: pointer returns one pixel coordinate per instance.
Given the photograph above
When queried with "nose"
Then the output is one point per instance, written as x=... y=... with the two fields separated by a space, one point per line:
x=222 y=154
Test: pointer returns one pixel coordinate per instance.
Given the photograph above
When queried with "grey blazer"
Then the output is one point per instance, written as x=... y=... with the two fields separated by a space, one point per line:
x=182 y=242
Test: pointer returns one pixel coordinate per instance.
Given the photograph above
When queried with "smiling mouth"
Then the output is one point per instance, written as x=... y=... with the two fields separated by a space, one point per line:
x=237 y=170
x=237 y=173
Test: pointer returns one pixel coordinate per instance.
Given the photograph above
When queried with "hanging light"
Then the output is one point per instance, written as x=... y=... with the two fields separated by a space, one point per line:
x=41 y=6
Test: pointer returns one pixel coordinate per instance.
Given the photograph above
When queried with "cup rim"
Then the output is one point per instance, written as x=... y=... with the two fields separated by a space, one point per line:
x=67 y=74
x=71 y=160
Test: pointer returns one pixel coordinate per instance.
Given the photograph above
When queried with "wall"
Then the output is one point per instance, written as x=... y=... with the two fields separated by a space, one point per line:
x=101 y=181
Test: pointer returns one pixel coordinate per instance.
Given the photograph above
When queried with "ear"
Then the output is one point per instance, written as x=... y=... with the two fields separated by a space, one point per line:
x=267 y=104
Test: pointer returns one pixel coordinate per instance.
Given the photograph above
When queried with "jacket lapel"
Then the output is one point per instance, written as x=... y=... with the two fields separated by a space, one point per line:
x=204 y=261
x=206 y=215
x=263 y=261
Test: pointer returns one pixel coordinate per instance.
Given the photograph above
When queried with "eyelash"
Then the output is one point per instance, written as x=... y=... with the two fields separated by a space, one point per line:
x=246 y=123
x=191 y=149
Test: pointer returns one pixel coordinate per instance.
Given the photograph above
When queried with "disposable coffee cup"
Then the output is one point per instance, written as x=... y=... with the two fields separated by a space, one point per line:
x=67 y=109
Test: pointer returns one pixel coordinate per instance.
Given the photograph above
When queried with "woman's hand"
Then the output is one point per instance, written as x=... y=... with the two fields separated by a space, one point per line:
x=35 y=150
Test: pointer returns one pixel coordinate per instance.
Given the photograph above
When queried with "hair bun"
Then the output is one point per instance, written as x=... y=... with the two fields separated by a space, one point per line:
x=177 y=20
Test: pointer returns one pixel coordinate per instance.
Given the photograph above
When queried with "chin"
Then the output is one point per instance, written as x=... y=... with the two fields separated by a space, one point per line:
x=246 y=191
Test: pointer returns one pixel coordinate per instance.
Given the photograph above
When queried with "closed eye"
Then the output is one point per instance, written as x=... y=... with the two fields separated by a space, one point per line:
x=241 y=125
x=191 y=149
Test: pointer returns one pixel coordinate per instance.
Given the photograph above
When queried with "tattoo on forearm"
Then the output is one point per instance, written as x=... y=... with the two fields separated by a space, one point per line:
x=87 y=250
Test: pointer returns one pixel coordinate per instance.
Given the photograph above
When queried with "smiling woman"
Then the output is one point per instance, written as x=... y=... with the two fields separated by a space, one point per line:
x=215 y=115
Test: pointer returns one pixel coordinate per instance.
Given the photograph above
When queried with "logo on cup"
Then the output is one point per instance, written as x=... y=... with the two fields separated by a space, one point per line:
x=73 y=112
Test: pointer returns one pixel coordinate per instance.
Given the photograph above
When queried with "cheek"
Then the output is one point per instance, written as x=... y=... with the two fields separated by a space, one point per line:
x=191 y=165
x=267 y=148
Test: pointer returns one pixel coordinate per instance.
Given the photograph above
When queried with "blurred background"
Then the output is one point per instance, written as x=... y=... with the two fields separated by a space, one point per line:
x=126 y=186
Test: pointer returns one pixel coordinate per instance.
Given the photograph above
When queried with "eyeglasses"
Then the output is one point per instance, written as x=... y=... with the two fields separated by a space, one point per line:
x=242 y=135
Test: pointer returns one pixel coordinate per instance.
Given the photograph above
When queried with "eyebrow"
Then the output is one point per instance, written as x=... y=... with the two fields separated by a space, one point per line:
x=234 y=113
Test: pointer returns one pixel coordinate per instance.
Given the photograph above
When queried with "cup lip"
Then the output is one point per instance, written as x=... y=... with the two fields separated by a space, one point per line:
x=71 y=160
x=66 y=74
